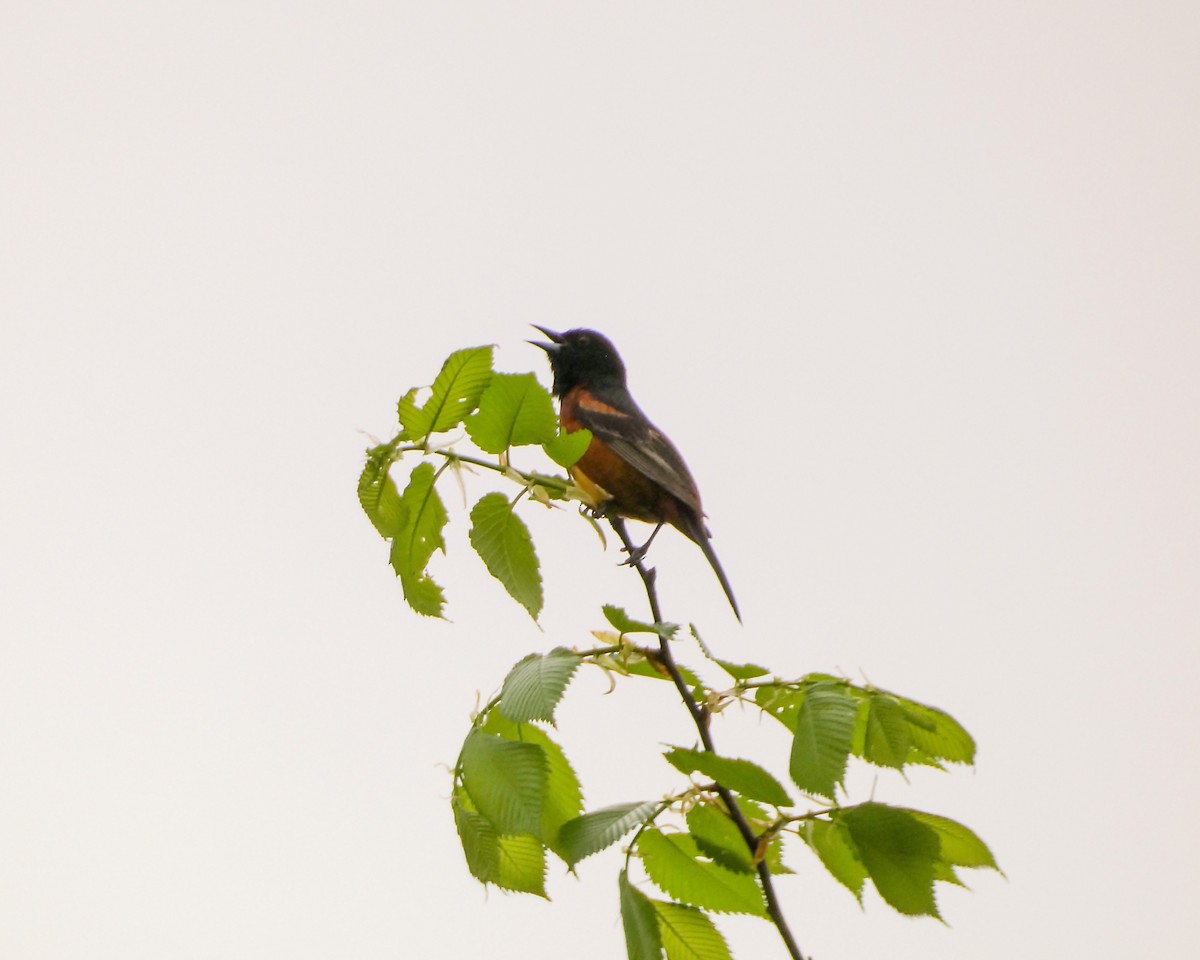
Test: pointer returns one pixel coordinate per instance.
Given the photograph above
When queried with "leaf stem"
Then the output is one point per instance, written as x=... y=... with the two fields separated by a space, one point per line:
x=700 y=717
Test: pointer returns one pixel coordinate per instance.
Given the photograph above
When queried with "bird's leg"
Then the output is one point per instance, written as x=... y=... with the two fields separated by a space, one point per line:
x=636 y=554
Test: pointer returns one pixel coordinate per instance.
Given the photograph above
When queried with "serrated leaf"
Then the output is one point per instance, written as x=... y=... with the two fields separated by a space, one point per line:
x=377 y=492
x=781 y=702
x=564 y=795
x=593 y=832
x=887 y=740
x=535 y=685
x=832 y=844
x=824 y=731
x=514 y=410
x=812 y=679
x=506 y=782
x=899 y=854
x=758 y=816
x=422 y=594
x=718 y=837
x=565 y=449
x=625 y=624
x=642 y=941
x=454 y=394
x=413 y=544
x=512 y=863
x=760 y=819
x=741 y=671
x=653 y=668
x=959 y=845
x=410 y=415
x=935 y=734
x=774 y=857
x=522 y=865
x=424 y=515
x=688 y=933
x=503 y=543
x=479 y=840
x=673 y=863
x=740 y=776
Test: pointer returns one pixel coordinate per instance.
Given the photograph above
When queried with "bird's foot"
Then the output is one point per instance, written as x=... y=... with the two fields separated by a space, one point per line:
x=637 y=554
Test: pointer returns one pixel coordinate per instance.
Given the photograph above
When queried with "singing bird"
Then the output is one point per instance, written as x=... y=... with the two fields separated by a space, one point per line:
x=631 y=469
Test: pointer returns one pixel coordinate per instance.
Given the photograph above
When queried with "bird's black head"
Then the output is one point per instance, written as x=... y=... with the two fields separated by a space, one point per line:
x=582 y=357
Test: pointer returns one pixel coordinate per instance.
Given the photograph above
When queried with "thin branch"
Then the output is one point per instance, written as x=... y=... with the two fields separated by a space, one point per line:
x=700 y=717
x=559 y=484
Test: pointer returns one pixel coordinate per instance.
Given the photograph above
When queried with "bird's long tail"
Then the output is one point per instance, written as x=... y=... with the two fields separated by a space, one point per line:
x=693 y=527
x=706 y=545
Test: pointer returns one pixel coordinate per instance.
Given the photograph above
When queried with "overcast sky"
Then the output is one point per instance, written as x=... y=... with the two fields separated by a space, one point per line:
x=914 y=287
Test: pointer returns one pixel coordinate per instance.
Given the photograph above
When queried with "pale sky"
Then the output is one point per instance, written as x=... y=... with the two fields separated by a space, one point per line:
x=914 y=287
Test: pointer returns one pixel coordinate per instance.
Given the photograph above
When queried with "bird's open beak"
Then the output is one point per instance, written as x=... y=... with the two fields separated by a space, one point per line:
x=555 y=339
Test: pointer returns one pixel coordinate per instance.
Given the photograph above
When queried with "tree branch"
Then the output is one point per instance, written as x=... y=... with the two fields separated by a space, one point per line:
x=700 y=717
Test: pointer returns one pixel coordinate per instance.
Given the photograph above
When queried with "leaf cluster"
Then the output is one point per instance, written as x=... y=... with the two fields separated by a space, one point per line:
x=516 y=793
x=498 y=412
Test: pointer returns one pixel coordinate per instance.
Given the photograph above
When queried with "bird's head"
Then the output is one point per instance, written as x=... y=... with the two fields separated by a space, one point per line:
x=581 y=357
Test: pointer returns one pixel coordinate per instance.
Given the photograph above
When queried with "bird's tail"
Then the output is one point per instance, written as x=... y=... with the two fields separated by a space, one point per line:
x=706 y=545
x=691 y=524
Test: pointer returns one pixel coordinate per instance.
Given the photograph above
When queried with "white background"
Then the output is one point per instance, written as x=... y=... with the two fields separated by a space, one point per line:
x=914 y=287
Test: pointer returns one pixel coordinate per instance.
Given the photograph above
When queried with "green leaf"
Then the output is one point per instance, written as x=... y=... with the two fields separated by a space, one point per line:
x=718 y=837
x=899 y=853
x=741 y=671
x=824 y=730
x=514 y=410
x=672 y=862
x=832 y=844
x=522 y=865
x=959 y=846
x=624 y=624
x=422 y=594
x=935 y=735
x=506 y=782
x=740 y=776
x=887 y=739
x=712 y=834
x=593 y=832
x=454 y=394
x=774 y=857
x=688 y=933
x=480 y=844
x=414 y=543
x=781 y=702
x=410 y=415
x=513 y=863
x=424 y=515
x=564 y=796
x=377 y=492
x=565 y=449
x=652 y=667
x=757 y=816
x=640 y=921
x=503 y=542
x=534 y=686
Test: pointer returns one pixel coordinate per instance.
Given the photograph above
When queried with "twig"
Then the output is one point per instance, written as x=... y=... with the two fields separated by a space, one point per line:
x=700 y=717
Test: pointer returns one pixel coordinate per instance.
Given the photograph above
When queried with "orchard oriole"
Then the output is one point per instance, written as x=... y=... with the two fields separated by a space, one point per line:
x=630 y=468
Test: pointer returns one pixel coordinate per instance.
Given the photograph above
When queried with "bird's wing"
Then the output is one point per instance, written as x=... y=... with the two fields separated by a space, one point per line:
x=642 y=445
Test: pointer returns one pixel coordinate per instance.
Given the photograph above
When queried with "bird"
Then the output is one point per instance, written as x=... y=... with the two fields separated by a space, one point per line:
x=630 y=468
